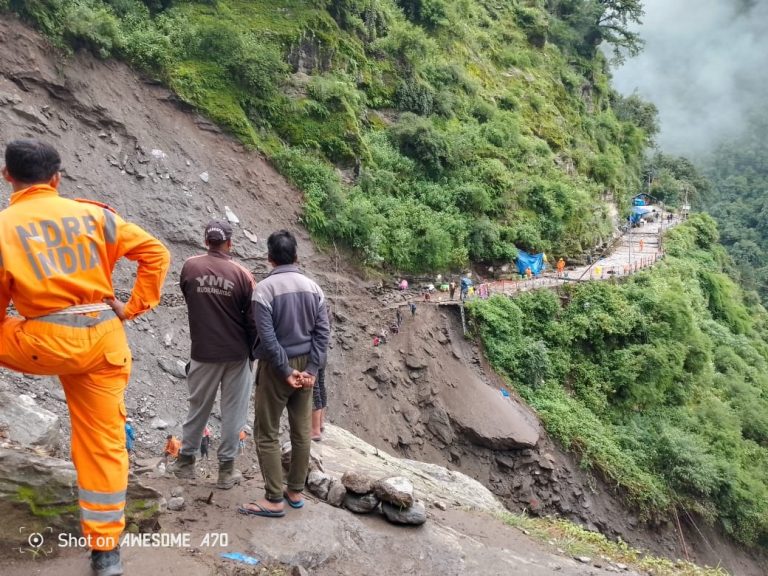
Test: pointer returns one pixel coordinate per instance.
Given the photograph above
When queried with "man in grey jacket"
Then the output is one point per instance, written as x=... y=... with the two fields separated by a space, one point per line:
x=293 y=333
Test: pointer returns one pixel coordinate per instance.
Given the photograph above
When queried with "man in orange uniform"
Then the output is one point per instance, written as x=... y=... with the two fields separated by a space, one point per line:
x=56 y=262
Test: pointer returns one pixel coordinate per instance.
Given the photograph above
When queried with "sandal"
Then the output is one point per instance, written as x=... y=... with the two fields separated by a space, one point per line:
x=261 y=511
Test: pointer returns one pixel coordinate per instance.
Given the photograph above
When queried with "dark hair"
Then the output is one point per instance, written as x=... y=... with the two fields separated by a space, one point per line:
x=281 y=247
x=31 y=161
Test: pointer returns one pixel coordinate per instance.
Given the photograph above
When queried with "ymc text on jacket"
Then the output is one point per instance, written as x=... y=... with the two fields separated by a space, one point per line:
x=218 y=292
x=291 y=320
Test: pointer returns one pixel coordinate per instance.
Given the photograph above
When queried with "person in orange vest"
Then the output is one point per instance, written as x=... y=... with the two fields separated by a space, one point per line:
x=528 y=273
x=172 y=447
x=560 y=267
x=642 y=244
x=56 y=261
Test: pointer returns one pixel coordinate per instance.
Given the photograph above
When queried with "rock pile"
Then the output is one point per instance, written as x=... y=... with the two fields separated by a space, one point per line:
x=362 y=494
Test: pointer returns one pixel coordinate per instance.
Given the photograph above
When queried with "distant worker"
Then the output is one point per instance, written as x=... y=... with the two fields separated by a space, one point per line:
x=171 y=448
x=452 y=289
x=412 y=305
x=130 y=435
x=56 y=261
x=217 y=291
x=398 y=317
x=205 y=443
x=560 y=267
x=403 y=284
x=642 y=244
x=528 y=273
x=466 y=282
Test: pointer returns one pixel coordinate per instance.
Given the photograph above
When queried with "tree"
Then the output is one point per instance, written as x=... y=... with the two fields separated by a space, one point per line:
x=590 y=23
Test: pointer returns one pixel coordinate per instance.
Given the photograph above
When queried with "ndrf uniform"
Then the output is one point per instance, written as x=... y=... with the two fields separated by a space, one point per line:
x=56 y=262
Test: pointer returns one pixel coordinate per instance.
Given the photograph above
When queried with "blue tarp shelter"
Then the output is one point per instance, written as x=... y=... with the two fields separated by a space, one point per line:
x=638 y=212
x=533 y=261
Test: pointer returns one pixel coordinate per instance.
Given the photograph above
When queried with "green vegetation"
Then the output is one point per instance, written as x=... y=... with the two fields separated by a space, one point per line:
x=660 y=382
x=577 y=541
x=739 y=201
x=425 y=133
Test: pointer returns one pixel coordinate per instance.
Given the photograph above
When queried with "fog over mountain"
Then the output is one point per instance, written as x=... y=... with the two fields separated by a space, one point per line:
x=705 y=65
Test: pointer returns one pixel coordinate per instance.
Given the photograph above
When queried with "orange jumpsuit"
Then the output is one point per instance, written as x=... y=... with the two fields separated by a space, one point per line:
x=56 y=253
x=172 y=447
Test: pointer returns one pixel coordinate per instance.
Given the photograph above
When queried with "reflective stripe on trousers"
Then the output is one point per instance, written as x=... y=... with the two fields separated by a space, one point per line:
x=90 y=354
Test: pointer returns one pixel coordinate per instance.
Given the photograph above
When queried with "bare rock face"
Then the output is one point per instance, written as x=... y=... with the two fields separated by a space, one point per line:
x=27 y=423
x=440 y=424
x=490 y=419
x=357 y=482
x=361 y=504
x=412 y=515
x=36 y=492
x=397 y=490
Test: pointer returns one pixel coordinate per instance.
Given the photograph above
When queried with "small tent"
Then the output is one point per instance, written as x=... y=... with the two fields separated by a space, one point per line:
x=533 y=261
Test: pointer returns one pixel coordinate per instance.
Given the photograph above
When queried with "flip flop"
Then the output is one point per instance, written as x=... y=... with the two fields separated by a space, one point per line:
x=316 y=438
x=293 y=503
x=261 y=511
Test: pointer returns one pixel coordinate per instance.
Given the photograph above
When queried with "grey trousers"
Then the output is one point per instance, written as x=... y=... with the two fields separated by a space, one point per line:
x=203 y=381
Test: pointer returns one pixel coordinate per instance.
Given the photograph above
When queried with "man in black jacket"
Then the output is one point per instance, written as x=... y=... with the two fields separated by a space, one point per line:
x=218 y=292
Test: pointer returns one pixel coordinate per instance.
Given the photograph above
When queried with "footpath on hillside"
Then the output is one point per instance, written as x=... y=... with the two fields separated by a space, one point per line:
x=631 y=252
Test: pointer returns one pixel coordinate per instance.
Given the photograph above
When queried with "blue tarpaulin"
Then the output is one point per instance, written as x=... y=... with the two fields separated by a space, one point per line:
x=533 y=261
x=638 y=212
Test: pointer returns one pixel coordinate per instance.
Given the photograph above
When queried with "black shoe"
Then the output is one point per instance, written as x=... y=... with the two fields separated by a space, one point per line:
x=106 y=562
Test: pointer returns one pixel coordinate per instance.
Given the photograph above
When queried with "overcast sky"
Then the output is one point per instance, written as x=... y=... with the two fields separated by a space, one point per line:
x=704 y=66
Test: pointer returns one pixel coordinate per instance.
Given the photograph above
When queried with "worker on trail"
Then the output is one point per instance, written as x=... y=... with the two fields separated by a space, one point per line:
x=466 y=282
x=398 y=318
x=560 y=267
x=452 y=288
x=56 y=262
x=217 y=291
x=412 y=305
x=528 y=273
x=642 y=244
x=172 y=448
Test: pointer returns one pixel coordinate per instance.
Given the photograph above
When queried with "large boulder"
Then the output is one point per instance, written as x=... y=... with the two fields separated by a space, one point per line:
x=361 y=504
x=40 y=493
x=397 y=490
x=357 y=482
x=27 y=423
x=37 y=492
x=414 y=515
x=491 y=419
x=319 y=483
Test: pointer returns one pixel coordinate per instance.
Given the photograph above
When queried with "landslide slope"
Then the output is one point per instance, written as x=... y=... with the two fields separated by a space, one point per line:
x=424 y=134
x=131 y=144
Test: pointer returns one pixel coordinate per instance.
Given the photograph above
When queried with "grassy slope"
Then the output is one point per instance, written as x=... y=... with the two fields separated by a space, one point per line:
x=472 y=136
